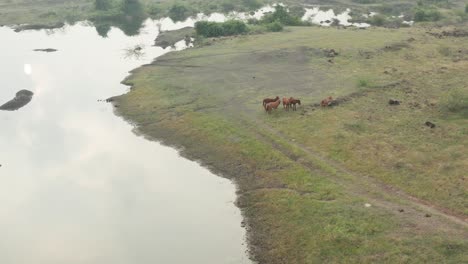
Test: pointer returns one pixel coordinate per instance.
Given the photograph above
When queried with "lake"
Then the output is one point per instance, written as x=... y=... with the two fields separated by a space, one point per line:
x=76 y=184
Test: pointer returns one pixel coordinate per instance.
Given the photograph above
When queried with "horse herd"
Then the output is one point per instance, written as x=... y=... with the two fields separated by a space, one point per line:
x=272 y=103
x=269 y=104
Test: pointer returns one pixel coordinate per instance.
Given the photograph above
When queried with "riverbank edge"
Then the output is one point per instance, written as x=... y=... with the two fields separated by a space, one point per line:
x=210 y=163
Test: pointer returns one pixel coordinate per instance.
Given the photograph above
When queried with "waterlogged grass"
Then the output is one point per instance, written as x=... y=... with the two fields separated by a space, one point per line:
x=304 y=177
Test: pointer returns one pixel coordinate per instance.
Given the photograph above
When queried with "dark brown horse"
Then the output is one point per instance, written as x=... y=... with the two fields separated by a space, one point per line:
x=287 y=103
x=269 y=100
x=327 y=101
x=293 y=103
x=272 y=105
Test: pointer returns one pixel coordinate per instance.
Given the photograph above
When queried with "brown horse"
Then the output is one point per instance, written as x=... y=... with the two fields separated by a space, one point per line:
x=269 y=100
x=287 y=103
x=327 y=101
x=293 y=102
x=272 y=105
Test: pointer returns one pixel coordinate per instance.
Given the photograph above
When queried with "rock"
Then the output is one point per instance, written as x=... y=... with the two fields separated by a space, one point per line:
x=38 y=26
x=21 y=99
x=393 y=102
x=430 y=124
x=46 y=50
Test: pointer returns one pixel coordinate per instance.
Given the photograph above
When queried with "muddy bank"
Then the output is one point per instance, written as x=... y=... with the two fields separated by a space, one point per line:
x=21 y=99
x=170 y=38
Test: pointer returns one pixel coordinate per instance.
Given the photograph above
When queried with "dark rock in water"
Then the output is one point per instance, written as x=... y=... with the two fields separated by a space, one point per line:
x=38 y=27
x=21 y=99
x=393 y=102
x=430 y=124
x=46 y=50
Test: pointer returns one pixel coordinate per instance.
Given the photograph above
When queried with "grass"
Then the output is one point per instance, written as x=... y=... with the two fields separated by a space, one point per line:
x=304 y=176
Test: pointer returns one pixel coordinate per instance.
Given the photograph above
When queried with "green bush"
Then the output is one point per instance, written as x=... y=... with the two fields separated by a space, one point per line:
x=252 y=4
x=282 y=16
x=102 y=4
x=422 y=15
x=215 y=29
x=378 y=20
x=178 y=12
x=457 y=102
x=275 y=26
x=466 y=8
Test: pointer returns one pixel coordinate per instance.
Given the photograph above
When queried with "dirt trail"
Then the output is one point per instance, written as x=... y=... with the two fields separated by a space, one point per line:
x=376 y=192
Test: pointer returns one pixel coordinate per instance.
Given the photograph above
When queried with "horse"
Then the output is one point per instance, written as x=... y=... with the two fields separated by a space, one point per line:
x=287 y=103
x=293 y=102
x=326 y=102
x=269 y=100
x=272 y=105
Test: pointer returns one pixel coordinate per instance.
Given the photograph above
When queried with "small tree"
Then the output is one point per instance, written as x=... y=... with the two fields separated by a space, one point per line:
x=102 y=4
x=466 y=8
x=178 y=12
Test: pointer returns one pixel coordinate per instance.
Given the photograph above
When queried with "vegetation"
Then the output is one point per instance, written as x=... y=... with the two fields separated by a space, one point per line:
x=457 y=102
x=427 y=14
x=102 y=4
x=215 y=29
x=179 y=12
x=281 y=15
x=304 y=177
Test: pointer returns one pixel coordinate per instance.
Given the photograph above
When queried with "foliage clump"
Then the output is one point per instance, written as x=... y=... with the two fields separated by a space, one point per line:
x=427 y=15
x=216 y=29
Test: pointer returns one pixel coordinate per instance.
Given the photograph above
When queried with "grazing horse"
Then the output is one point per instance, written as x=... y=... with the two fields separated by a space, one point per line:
x=287 y=103
x=269 y=100
x=327 y=101
x=293 y=102
x=272 y=105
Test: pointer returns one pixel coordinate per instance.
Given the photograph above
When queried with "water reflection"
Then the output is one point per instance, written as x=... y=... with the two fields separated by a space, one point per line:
x=129 y=19
x=72 y=189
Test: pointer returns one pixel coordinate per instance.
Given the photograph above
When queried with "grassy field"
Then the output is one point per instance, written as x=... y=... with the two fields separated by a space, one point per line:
x=304 y=177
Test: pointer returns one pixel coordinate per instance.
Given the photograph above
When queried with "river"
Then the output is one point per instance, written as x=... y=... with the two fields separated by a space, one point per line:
x=77 y=185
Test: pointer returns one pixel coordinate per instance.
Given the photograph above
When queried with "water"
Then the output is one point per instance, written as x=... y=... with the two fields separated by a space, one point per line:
x=325 y=18
x=76 y=185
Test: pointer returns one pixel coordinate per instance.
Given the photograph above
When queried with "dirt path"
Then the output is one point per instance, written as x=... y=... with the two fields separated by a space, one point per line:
x=375 y=192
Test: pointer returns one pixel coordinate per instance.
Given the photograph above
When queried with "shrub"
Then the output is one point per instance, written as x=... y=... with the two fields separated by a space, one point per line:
x=234 y=27
x=178 y=12
x=227 y=6
x=378 y=20
x=275 y=26
x=282 y=16
x=252 y=4
x=102 y=4
x=215 y=29
x=457 y=102
x=466 y=8
x=363 y=82
x=427 y=15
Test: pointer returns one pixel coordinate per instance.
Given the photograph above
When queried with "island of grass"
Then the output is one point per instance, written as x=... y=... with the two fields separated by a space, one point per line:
x=361 y=182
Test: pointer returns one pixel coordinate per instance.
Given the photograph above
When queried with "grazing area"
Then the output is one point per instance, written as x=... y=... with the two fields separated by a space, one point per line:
x=359 y=180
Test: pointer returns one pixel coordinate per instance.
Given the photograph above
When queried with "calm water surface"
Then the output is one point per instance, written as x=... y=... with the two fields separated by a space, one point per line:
x=76 y=185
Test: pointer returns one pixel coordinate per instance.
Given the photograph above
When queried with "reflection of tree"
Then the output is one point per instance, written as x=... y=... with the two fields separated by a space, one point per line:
x=129 y=18
x=103 y=29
